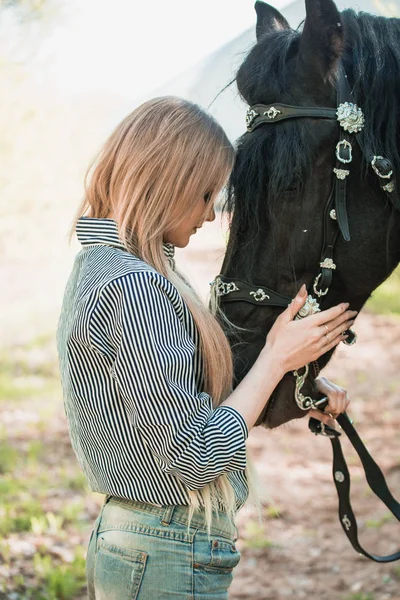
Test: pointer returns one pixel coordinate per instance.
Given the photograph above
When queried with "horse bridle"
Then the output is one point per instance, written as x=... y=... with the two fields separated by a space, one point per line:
x=351 y=120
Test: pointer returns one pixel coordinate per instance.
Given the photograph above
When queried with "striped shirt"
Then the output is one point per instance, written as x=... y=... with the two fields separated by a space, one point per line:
x=140 y=424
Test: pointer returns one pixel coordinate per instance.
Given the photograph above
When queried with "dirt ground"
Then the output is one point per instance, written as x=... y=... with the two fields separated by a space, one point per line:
x=303 y=552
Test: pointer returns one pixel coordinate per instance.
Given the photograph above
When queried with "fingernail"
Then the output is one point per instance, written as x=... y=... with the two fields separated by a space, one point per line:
x=345 y=305
x=303 y=290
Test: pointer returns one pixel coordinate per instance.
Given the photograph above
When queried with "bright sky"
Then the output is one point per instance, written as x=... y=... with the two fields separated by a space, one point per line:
x=133 y=46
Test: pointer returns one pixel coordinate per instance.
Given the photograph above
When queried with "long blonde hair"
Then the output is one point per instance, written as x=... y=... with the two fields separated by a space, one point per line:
x=149 y=175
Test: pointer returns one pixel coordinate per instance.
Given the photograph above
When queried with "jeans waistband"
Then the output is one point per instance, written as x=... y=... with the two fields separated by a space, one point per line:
x=221 y=523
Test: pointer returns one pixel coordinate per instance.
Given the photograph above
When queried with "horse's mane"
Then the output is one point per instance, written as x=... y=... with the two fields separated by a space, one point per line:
x=372 y=61
x=273 y=161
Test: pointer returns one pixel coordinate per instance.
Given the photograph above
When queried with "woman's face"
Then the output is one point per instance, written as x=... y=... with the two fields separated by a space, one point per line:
x=203 y=211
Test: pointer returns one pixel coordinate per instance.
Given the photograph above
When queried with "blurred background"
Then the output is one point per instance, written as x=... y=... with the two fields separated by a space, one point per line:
x=69 y=71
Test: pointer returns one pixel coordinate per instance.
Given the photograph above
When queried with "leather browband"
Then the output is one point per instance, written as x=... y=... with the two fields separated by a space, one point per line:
x=259 y=114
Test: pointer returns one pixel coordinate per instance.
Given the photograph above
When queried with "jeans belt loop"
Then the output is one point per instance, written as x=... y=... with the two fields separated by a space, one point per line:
x=99 y=518
x=167 y=516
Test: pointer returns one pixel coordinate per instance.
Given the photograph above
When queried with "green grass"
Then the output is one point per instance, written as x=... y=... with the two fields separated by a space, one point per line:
x=377 y=523
x=255 y=536
x=9 y=457
x=16 y=515
x=59 y=582
x=386 y=298
x=359 y=596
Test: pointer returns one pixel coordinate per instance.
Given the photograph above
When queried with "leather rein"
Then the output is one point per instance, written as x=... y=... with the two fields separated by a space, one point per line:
x=351 y=121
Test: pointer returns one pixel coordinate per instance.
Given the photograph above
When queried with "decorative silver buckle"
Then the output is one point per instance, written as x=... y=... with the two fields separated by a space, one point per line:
x=373 y=165
x=318 y=292
x=345 y=144
x=350 y=117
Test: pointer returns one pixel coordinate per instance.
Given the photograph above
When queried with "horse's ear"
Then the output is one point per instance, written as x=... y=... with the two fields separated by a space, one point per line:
x=321 y=42
x=268 y=19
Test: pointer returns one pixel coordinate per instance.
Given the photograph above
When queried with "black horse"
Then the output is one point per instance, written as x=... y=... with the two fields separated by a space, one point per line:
x=285 y=230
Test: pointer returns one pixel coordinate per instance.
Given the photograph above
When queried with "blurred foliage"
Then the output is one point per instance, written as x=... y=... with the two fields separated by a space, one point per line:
x=26 y=7
x=360 y=596
x=385 y=300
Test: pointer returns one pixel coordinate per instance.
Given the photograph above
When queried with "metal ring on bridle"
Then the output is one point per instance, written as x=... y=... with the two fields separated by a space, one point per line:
x=318 y=292
x=377 y=171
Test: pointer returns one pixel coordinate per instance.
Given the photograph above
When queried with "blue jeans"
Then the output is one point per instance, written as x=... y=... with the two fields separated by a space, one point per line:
x=138 y=551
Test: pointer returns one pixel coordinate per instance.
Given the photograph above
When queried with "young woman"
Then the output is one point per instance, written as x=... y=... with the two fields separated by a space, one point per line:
x=147 y=371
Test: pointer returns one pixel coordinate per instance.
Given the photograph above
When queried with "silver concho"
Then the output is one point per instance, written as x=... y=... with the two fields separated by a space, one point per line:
x=259 y=295
x=339 y=476
x=251 y=115
x=333 y=215
x=310 y=307
x=272 y=112
x=327 y=264
x=341 y=173
x=350 y=117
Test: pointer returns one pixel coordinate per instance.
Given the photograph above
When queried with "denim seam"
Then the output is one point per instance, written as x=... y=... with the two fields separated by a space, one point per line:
x=166 y=534
x=154 y=510
x=192 y=569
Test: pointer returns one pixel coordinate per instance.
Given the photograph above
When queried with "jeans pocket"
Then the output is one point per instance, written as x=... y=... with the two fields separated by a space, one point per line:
x=118 y=570
x=217 y=555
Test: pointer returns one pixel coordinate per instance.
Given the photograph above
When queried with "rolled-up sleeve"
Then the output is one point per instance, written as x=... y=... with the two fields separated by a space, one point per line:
x=137 y=323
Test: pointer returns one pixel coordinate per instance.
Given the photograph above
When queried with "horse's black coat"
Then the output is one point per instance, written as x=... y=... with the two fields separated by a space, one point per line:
x=283 y=172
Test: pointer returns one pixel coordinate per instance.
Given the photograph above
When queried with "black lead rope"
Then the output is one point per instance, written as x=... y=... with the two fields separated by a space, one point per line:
x=341 y=477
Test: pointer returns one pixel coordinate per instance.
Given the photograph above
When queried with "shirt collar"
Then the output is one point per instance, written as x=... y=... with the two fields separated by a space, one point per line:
x=93 y=232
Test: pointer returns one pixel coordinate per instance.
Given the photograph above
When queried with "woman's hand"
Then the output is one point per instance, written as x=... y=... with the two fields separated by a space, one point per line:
x=338 y=401
x=296 y=343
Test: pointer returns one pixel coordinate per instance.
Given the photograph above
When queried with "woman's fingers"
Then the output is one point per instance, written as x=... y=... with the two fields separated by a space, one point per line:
x=317 y=414
x=328 y=315
x=291 y=311
x=338 y=400
x=330 y=334
x=346 y=316
x=333 y=316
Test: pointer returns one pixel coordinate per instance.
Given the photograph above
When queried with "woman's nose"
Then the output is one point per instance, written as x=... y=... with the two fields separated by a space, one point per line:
x=210 y=215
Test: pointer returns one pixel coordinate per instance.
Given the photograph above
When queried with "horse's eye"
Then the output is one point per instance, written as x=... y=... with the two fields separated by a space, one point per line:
x=207 y=197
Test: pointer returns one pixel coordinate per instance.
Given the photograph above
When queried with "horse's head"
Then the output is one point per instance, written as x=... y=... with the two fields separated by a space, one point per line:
x=283 y=176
